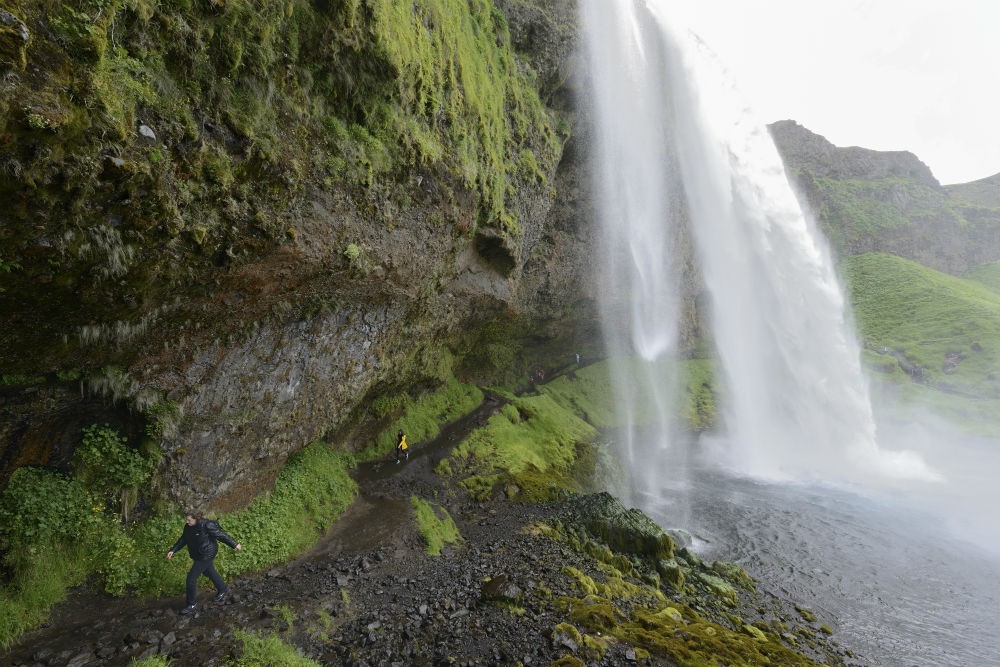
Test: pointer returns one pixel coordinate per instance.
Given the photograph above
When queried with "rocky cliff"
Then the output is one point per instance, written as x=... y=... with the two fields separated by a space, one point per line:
x=230 y=226
x=872 y=201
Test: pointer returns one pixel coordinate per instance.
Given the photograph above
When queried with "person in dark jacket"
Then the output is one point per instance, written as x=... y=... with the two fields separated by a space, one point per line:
x=202 y=537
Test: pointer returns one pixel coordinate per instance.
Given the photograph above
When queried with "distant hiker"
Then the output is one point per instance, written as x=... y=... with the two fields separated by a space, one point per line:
x=402 y=449
x=577 y=358
x=202 y=536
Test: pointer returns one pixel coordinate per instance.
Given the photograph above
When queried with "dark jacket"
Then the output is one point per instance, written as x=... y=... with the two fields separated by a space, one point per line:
x=202 y=539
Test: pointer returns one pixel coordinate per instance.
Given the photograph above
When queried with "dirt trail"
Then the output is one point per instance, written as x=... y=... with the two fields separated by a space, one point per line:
x=92 y=628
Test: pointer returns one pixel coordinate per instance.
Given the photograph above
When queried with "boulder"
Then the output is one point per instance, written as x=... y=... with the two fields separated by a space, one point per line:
x=624 y=529
x=14 y=37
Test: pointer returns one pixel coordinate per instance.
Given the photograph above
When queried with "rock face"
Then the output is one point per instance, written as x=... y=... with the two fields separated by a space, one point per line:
x=236 y=286
x=871 y=201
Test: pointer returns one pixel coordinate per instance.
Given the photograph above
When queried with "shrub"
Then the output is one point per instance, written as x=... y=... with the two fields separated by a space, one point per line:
x=40 y=506
x=106 y=464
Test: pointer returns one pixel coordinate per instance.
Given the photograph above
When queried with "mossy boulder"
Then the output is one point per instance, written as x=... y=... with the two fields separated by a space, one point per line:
x=719 y=587
x=671 y=573
x=624 y=529
x=14 y=38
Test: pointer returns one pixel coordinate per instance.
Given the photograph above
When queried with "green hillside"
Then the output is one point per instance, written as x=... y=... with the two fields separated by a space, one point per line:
x=984 y=193
x=945 y=330
x=934 y=335
x=987 y=274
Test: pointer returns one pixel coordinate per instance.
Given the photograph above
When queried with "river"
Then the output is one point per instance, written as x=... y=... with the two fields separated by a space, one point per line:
x=892 y=581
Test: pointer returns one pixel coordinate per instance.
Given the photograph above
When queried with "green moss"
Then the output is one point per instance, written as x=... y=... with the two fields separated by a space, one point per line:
x=424 y=415
x=537 y=452
x=566 y=631
x=435 y=524
x=806 y=614
x=567 y=661
x=461 y=82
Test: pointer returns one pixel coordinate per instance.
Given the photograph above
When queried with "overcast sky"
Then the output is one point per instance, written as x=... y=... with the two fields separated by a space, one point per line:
x=916 y=75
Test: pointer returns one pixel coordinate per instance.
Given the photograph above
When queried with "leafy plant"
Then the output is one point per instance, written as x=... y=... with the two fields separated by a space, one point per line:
x=105 y=463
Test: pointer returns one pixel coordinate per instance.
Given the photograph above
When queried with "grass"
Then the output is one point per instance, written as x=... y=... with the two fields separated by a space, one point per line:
x=986 y=274
x=915 y=320
x=854 y=209
x=435 y=524
x=27 y=597
x=421 y=419
x=51 y=551
x=260 y=650
x=929 y=318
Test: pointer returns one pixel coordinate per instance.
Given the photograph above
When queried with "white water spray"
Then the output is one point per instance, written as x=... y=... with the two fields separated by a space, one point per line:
x=796 y=404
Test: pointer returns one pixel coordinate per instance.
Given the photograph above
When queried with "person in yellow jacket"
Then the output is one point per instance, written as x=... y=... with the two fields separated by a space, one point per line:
x=402 y=449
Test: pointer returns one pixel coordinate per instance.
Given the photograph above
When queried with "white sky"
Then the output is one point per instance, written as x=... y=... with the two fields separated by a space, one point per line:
x=916 y=75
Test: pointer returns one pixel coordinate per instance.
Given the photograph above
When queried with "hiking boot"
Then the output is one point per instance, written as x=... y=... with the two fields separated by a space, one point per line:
x=222 y=596
x=186 y=611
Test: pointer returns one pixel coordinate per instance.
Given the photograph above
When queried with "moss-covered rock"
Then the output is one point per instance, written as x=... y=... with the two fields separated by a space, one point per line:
x=624 y=529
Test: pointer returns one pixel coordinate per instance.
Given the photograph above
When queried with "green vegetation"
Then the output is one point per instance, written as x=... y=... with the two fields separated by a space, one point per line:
x=934 y=338
x=435 y=524
x=215 y=121
x=464 y=90
x=853 y=210
x=55 y=532
x=107 y=466
x=151 y=661
x=946 y=329
x=422 y=418
x=693 y=626
x=986 y=274
x=534 y=446
x=260 y=650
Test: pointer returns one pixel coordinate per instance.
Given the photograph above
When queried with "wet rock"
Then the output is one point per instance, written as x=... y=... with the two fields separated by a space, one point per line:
x=81 y=658
x=146 y=132
x=624 y=529
x=501 y=589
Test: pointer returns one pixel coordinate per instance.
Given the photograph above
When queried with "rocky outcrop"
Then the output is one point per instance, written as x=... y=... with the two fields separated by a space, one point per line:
x=873 y=201
x=235 y=279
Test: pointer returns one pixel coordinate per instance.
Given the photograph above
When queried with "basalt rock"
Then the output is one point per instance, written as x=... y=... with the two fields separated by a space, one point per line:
x=623 y=529
x=234 y=301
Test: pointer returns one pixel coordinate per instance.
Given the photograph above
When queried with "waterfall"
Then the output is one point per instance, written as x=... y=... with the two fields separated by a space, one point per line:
x=676 y=147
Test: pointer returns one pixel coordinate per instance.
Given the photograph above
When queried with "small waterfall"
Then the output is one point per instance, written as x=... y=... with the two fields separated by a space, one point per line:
x=796 y=403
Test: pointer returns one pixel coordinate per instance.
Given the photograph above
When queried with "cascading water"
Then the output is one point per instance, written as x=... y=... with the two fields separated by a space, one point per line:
x=679 y=157
x=635 y=200
x=796 y=402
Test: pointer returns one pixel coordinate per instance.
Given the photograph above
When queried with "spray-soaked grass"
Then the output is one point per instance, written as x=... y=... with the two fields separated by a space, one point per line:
x=589 y=393
x=986 y=274
x=934 y=336
x=946 y=327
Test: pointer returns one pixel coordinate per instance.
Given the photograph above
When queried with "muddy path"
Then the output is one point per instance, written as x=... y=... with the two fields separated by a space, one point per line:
x=92 y=628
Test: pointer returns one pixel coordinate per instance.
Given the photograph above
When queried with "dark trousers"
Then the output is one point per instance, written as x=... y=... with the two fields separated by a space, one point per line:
x=198 y=568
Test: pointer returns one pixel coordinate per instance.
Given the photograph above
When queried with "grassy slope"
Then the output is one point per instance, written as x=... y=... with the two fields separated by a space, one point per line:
x=945 y=328
x=986 y=274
